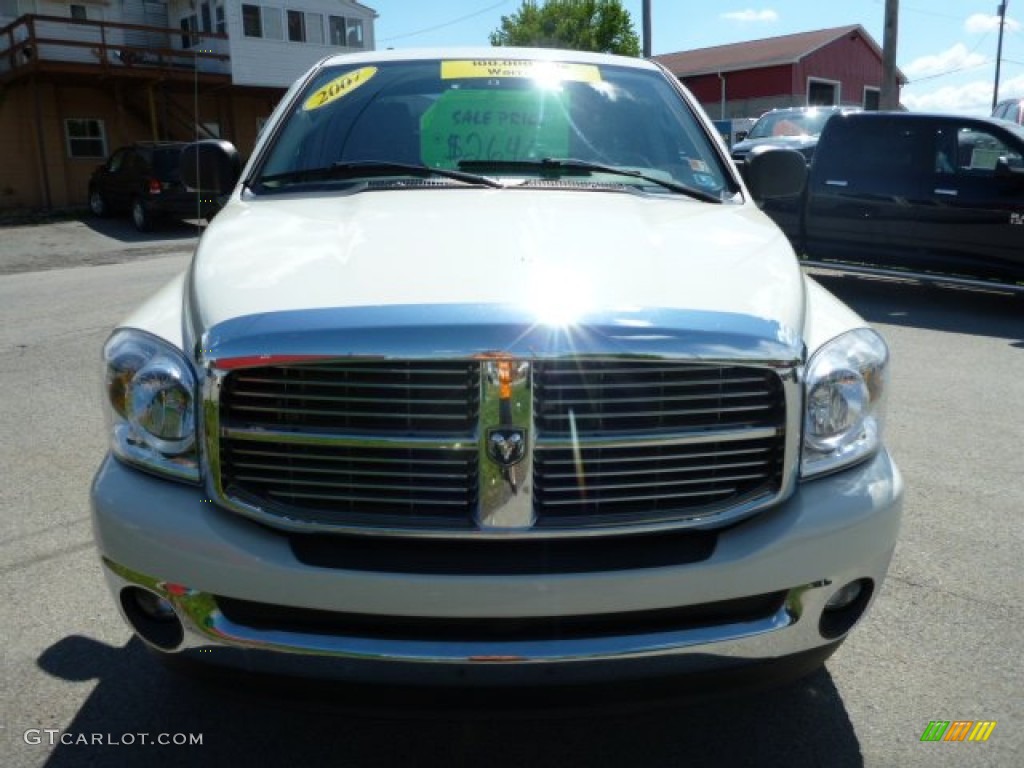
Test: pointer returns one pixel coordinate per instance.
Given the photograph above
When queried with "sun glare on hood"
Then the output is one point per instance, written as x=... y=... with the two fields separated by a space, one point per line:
x=559 y=296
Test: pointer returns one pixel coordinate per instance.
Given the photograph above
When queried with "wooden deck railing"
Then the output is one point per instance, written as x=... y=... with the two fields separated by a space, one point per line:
x=35 y=42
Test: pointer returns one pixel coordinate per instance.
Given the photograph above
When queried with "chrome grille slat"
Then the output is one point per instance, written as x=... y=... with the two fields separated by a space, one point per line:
x=341 y=399
x=659 y=412
x=339 y=413
x=670 y=385
x=271 y=468
x=604 y=486
x=349 y=459
x=299 y=482
x=632 y=459
x=665 y=398
x=355 y=499
x=347 y=385
x=573 y=368
x=634 y=498
x=667 y=471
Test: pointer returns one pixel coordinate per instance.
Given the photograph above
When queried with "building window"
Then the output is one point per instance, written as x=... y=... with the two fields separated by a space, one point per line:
x=207 y=17
x=345 y=32
x=273 y=27
x=252 y=26
x=872 y=98
x=261 y=21
x=296 y=27
x=822 y=93
x=86 y=138
x=355 y=33
x=212 y=128
x=78 y=12
x=222 y=26
x=315 y=28
x=189 y=26
x=336 y=30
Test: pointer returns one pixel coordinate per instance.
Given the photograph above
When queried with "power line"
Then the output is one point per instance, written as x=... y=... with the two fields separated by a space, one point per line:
x=958 y=69
x=949 y=72
x=436 y=27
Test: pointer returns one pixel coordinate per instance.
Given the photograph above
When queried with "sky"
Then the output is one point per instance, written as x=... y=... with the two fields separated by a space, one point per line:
x=947 y=48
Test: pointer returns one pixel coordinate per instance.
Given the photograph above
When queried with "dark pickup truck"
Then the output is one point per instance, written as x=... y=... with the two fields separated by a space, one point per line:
x=907 y=192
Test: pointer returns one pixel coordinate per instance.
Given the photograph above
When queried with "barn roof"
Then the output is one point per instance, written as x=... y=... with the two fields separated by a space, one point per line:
x=766 y=52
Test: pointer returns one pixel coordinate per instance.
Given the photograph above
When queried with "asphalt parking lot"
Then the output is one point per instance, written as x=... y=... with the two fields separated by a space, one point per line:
x=943 y=641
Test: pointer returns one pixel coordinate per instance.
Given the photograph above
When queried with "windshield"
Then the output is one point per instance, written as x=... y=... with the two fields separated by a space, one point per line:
x=500 y=119
x=808 y=123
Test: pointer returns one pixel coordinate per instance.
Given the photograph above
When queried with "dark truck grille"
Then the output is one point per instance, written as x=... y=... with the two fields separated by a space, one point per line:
x=597 y=398
x=639 y=398
x=338 y=485
x=389 y=398
x=651 y=482
x=395 y=444
x=364 y=485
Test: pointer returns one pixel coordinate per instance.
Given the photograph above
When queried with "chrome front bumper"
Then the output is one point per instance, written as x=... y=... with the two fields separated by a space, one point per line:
x=165 y=538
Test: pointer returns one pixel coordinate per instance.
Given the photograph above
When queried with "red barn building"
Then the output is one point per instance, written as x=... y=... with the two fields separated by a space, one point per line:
x=841 y=66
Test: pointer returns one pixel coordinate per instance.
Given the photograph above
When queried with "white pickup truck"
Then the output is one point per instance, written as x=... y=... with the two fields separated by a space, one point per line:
x=492 y=372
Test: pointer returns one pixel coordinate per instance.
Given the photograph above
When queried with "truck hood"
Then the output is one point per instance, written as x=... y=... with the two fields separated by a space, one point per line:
x=554 y=255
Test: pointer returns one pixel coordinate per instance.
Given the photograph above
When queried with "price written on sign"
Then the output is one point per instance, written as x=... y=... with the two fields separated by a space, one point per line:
x=494 y=125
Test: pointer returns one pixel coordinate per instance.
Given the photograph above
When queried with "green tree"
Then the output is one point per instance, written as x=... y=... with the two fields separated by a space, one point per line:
x=581 y=25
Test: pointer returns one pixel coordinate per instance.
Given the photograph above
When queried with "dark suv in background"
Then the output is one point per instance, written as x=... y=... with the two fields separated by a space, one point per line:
x=143 y=180
x=797 y=128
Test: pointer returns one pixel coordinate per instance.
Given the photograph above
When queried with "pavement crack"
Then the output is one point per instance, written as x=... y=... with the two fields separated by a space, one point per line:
x=974 y=599
x=22 y=564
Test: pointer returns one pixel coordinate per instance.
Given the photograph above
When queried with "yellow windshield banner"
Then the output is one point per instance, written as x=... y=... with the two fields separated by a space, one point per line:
x=338 y=87
x=534 y=70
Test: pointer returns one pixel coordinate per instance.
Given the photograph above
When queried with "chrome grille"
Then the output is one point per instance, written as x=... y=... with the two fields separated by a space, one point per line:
x=399 y=445
x=403 y=398
x=332 y=484
x=311 y=478
x=608 y=398
x=651 y=482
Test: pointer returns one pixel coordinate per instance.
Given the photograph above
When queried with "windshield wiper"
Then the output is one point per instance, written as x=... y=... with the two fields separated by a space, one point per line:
x=557 y=164
x=371 y=168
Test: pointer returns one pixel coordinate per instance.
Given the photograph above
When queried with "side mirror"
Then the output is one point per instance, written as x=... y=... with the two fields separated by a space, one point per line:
x=1006 y=171
x=772 y=173
x=212 y=165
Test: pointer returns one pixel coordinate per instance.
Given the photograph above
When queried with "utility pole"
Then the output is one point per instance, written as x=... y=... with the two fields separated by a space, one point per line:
x=999 y=52
x=889 y=98
x=646 y=29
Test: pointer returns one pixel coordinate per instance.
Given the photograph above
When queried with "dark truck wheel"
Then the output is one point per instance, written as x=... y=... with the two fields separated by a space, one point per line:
x=141 y=217
x=98 y=204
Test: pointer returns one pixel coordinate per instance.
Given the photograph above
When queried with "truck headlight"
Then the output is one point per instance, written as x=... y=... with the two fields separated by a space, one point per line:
x=844 y=402
x=151 y=393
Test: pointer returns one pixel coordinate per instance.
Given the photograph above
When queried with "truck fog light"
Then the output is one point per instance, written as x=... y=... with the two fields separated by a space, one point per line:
x=844 y=596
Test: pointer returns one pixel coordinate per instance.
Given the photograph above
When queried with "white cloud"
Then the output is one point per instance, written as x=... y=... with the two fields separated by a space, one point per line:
x=974 y=98
x=751 y=16
x=982 y=22
x=955 y=58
